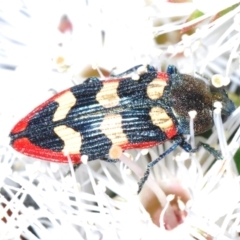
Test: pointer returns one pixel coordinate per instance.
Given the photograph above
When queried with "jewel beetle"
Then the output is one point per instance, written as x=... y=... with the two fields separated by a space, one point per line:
x=99 y=119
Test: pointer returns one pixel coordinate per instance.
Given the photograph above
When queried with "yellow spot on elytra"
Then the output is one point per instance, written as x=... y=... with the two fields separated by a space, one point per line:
x=66 y=102
x=155 y=88
x=71 y=138
x=160 y=118
x=108 y=97
x=111 y=126
x=115 y=152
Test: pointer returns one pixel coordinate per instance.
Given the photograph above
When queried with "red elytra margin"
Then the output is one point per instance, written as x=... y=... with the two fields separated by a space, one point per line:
x=23 y=144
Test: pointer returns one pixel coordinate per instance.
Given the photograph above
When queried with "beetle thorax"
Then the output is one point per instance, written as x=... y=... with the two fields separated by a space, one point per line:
x=192 y=94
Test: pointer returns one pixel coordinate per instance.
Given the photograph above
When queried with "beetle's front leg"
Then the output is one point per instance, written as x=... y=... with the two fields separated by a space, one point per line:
x=211 y=150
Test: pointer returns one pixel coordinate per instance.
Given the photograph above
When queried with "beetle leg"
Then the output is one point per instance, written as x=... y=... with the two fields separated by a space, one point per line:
x=132 y=70
x=187 y=147
x=110 y=160
x=113 y=160
x=76 y=166
x=211 y=150
x=171 y=69
x=91 y=79
x=129 y=71
x=178 y=141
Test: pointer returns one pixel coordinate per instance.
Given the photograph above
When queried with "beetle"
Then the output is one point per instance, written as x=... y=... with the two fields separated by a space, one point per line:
x=99 y=119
